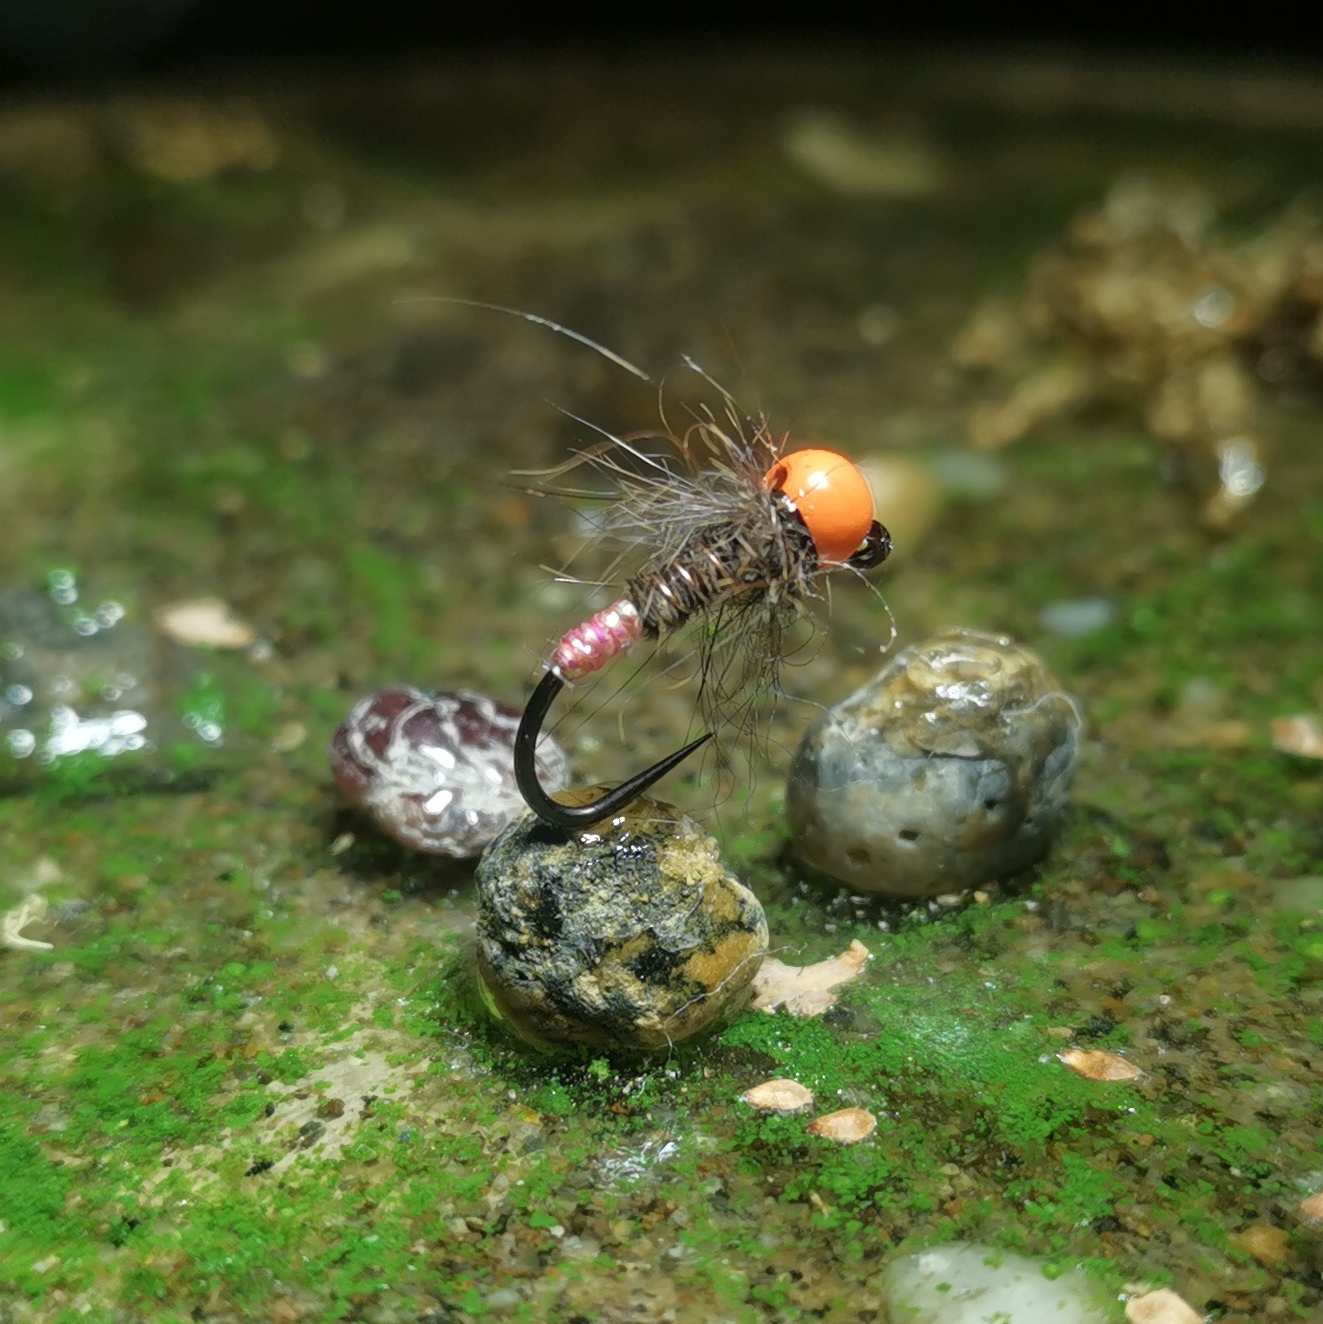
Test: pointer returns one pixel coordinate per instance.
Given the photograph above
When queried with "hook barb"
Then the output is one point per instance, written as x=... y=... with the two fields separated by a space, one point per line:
x=572 y=817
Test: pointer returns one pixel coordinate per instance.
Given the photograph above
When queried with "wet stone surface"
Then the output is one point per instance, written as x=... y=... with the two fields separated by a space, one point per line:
x=950 y=768
x=631 y=936
x=87 y=688
x=965 y=1283
x=436 y=770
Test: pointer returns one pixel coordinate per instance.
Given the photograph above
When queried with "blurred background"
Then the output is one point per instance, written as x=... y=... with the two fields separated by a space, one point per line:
x=90 y=39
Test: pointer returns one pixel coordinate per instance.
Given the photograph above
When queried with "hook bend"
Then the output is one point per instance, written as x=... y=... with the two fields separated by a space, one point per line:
x=572 y=817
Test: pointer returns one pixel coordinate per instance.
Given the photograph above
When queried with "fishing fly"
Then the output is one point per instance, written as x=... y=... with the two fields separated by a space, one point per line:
x=733 y=530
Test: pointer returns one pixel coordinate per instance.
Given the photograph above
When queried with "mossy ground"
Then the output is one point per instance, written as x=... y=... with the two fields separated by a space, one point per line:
x=248 y=1082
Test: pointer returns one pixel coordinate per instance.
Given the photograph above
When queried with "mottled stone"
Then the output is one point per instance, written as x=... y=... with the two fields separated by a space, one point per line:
x=630 y=936
x=436 y=771
x=950 y=768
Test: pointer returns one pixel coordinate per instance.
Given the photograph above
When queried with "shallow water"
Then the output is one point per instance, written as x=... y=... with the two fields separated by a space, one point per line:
x=245 y=1082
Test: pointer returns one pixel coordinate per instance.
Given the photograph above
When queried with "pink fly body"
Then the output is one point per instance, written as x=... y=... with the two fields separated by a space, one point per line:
x=591 y=645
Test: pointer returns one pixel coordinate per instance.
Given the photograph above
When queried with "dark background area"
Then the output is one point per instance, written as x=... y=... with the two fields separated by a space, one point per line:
x=55 y=43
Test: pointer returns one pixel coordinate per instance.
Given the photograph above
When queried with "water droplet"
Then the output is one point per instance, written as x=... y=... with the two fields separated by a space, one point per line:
x=1213 y=307
x=21 y=743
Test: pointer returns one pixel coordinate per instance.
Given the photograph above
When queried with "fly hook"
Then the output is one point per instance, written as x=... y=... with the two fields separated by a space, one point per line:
x=571 y=817
x=586 y=648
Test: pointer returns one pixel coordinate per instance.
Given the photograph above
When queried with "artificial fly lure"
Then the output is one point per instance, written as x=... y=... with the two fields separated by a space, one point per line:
x=736 y=531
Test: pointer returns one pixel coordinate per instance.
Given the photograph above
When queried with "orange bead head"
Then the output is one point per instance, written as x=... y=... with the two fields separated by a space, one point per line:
x=831 y=496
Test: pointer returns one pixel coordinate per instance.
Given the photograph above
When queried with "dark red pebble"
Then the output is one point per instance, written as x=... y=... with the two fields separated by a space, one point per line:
x=436 y=771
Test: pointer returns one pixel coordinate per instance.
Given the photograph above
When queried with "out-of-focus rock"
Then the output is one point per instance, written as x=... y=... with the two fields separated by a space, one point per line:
x=838 y=154
x=181 y=140
x=909 y=493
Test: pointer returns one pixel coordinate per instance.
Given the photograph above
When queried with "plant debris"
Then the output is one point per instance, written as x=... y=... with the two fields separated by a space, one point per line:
x=13 y=922
x=1147 y=300
x=1098 y=1064
x=806 y=990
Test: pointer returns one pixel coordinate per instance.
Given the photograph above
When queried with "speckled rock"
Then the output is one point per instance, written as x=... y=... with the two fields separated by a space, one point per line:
x=436 y=771
x=949 y=769
x=631 y=936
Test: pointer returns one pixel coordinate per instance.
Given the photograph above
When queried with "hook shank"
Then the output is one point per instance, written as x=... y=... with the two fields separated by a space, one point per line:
x=572 y=817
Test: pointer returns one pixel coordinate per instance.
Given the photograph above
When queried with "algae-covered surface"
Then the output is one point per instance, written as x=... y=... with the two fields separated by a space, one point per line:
x=248 y=1079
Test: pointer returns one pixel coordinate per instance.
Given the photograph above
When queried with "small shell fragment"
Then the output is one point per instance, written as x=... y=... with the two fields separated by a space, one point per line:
x=778 y=1096
x=1301 y=734
x=1098 y=1064
x=204 y=622
x=806 y=990
x=1160 y=1307
x=846 y=1125
x=1311 y=1207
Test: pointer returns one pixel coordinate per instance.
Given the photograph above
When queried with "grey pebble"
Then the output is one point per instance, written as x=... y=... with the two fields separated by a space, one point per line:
x=949 y=769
